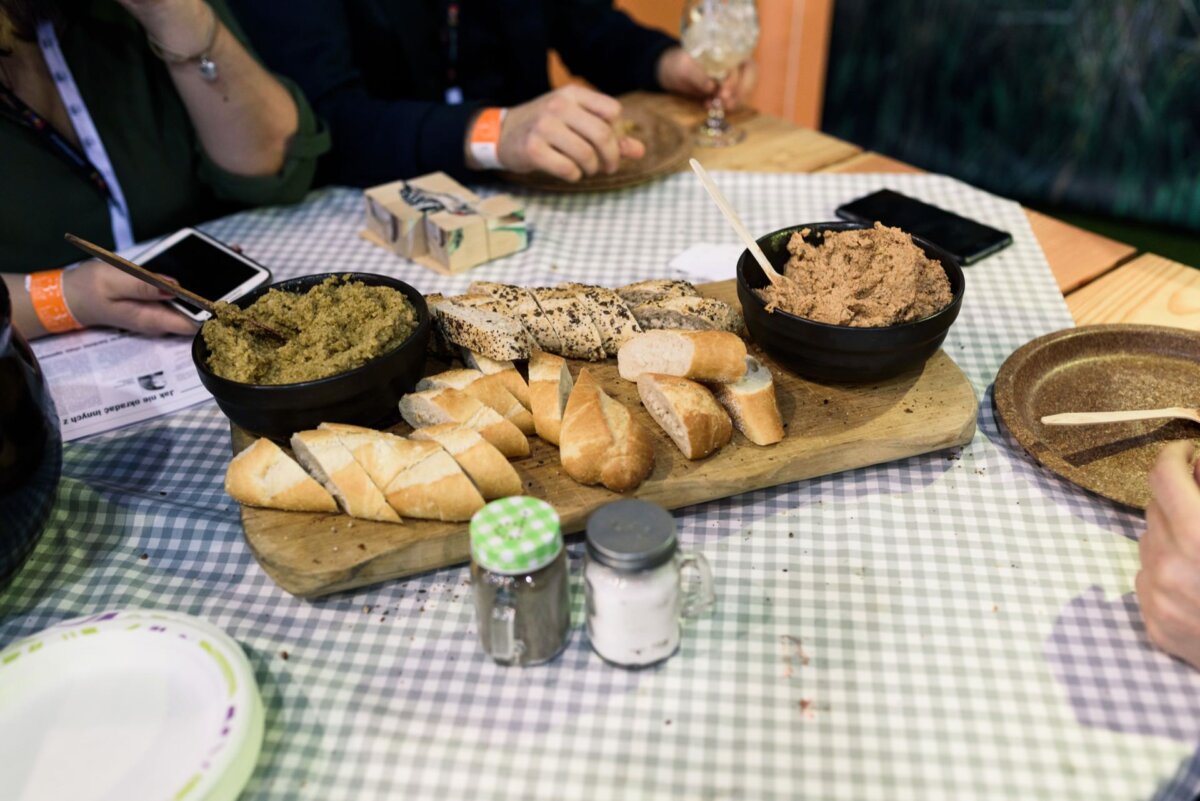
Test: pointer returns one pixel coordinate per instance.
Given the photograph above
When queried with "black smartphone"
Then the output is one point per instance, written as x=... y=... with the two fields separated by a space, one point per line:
x=965 y=240
x=206 y=266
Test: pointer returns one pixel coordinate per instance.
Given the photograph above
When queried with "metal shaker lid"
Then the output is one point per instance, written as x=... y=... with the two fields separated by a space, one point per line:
x=631 y=535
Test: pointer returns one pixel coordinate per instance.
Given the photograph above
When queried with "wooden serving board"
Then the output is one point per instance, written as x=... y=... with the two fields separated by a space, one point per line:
x=830 y=428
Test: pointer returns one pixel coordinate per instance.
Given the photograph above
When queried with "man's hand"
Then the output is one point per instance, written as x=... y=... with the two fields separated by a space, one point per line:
x=681 y=74
x=570 y=132
x=98 y=294
x=1168 y=586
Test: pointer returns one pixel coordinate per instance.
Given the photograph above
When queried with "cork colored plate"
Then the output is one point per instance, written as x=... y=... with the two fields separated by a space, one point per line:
x=668 y=146
x=1101 y=368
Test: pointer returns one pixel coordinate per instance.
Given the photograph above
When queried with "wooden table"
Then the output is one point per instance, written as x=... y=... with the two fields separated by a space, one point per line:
x=1104 y=281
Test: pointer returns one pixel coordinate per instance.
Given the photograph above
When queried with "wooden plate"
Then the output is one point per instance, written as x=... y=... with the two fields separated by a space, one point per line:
x=1100 y=368
x=668 y=146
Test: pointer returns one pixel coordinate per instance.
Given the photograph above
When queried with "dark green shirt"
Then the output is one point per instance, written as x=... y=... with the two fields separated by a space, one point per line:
x=168 y=180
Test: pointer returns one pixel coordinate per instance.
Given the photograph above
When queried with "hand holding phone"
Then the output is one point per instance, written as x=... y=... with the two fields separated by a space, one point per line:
x=966 y=240
x=204 y=265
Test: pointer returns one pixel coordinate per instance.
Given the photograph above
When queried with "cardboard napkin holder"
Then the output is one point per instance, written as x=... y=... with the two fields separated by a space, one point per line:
x=439 y=223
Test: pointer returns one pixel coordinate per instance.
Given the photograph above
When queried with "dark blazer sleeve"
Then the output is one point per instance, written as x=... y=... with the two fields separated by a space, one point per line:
x=373 y=140
x=605 y=46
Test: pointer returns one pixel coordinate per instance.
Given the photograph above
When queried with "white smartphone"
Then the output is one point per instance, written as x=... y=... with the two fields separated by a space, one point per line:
x=204 y=265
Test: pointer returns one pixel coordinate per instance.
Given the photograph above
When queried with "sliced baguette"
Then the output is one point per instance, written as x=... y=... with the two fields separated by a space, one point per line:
x=487 y=389
x=490 y=333
x=550 y=386
x=687 y=411
x=699 y=355
x=655 y=289
x=433 y=406
x=693 y=314
x=330 y=462
x=435 y=488
x=479 y=459
x=613 y=319
x=601 y=443
x=505 y=369
x=511 y=296
x=263 y=475
x=751 y=403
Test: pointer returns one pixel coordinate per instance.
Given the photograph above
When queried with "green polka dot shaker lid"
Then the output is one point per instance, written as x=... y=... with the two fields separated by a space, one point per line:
x=515 y=535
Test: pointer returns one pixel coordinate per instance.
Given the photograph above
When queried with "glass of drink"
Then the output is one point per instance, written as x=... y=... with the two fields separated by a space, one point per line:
x=720 y=35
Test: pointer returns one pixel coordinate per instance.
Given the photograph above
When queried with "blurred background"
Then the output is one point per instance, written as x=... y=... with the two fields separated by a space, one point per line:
x=1085 y=109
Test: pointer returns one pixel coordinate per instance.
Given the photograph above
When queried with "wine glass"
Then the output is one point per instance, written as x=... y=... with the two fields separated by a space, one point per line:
x=720 y=35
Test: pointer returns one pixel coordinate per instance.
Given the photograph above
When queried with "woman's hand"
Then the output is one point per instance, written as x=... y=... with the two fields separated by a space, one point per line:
x=1168 y=586
x=570 y=132
x=180 y=26
x=98 y=294
x=681 y=74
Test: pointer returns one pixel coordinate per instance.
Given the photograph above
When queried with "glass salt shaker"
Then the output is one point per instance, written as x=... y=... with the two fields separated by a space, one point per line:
x=634 y=584
x=520 y=581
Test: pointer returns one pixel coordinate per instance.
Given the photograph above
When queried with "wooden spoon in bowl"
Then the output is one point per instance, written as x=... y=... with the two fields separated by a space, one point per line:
x=126 y=266
x=1094 y=418
x=723 y=204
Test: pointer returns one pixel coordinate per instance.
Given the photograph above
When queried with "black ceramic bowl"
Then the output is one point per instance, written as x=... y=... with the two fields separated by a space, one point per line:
x=366 y=396
x=839 y=352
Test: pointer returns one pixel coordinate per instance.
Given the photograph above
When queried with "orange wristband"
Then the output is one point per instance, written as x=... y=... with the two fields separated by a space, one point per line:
x=485 y=138
x=46 y=292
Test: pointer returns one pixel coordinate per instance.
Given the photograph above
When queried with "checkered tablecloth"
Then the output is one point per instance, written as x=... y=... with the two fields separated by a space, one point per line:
x=956 y=625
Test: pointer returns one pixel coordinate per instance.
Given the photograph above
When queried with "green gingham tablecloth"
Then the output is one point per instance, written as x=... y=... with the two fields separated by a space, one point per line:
x=955 y=625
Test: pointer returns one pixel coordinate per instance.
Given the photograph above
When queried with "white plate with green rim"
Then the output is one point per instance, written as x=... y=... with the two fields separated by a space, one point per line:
x=128 y=705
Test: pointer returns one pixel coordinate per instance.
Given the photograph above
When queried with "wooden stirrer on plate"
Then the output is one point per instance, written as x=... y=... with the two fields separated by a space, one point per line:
x=1094 y=418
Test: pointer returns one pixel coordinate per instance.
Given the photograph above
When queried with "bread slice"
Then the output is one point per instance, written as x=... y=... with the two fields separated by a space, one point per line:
x=505 y=369
x=751 y=403
x=577 y=334
x=511 y=296
x=600 y=442
x=438 y=346
x=490 y=333
x=550 y=385
x=487 y=389
x=330 y=462
x=613 y=319
x=656 y=289
x=479 y=459
x=699 y=355
x=693 y=314
x=263 y=475
x=435 y=488
x=544 y=333
x=433 y=406
x=687 y=411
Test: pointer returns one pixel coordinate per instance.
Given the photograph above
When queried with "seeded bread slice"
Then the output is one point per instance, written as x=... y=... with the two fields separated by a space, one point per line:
x=578 y=337
x=656 y=289
x=612 y=317
x=691 y=314
x=487 y=332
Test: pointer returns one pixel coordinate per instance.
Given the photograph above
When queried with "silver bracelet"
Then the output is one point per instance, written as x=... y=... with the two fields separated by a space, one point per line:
x=208 y=67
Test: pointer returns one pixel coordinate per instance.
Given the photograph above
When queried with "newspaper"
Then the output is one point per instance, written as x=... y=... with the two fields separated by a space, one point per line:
x=104 y=379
